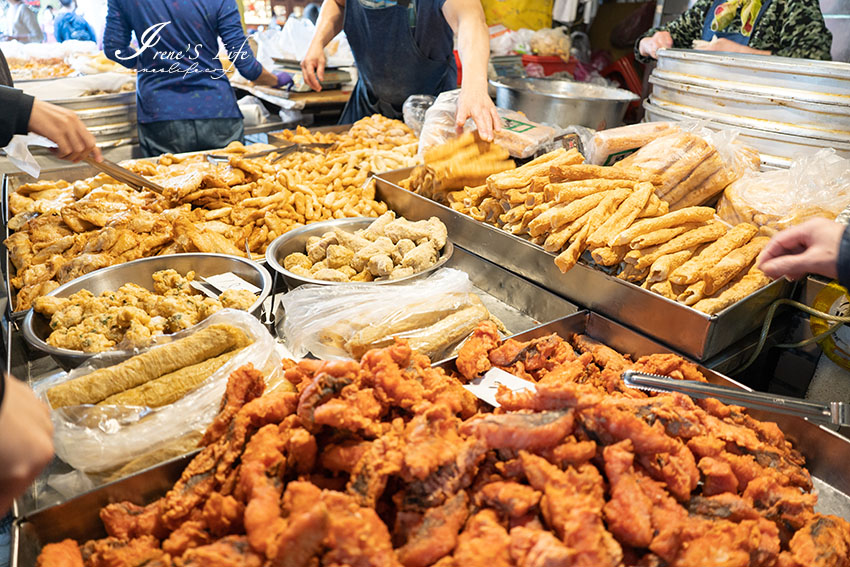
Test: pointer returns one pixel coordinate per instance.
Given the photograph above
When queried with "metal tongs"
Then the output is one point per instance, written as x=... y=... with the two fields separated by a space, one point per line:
x=123 y=175
x=282 y=150
x=835 y=413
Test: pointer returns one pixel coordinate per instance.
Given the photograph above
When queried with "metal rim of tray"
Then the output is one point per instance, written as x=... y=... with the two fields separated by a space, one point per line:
x=40 y=344
x=616 y=95
x=280 y=241
x=830 y=137
x=777 y=65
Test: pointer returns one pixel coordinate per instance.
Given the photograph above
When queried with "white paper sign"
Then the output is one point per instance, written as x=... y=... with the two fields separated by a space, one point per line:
x=485 y=388
x=229 y=280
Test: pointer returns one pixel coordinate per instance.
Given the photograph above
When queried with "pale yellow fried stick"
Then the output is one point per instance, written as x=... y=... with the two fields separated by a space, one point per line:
x=676 y=218
x=559 y=215
x=733 y=263
x=569 y=257
x=661 y=268
x=709 y=232
x=754 y=280
x=622 y=218
x=556 y=240
x=692 y=270
x=659 y=236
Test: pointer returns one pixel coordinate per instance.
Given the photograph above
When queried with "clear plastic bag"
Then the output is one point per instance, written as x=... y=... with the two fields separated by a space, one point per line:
x=414 y=110
x=551 y=42
x=100 y=439
x=340 y=322
x=817 y=185
x=519 y=135
x=610 y=146
x=692 y=165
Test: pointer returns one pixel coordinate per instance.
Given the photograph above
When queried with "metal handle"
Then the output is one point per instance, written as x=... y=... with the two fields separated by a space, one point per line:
x=835 y=413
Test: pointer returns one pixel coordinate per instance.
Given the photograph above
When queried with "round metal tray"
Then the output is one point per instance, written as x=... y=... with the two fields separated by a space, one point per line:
x=296 y=241
x=36 y=327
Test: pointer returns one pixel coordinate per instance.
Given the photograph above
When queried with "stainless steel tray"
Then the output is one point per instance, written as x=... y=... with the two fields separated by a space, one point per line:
x=682 y=328
x=78 y=518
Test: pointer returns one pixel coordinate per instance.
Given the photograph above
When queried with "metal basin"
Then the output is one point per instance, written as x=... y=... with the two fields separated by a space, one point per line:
x=564 y=103
x=296 y=241
x=37 y=327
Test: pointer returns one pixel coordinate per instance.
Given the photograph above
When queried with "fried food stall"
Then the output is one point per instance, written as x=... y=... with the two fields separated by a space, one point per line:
x=551 y=271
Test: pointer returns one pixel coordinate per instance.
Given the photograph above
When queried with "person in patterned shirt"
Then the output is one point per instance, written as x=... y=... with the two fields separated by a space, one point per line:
x=787 y=28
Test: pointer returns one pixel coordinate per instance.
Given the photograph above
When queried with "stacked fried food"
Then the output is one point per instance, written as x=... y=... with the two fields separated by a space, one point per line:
x=132 y=315
x=389 y=463
x=29 y=69
x=64 y=230
x=614 y=215
x=464 y=161
x=389 y=248
x=378 y=143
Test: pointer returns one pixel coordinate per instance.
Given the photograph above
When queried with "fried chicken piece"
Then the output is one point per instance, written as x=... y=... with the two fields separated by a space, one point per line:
x=521 y=430
x=230 y=551
x=436 y=534
x=572 y=505
x=189 y=535
x=484 y=542
x=537 y=548
x=571 y=452
x=343 y=457
x=125 y=520
x=383 y=458
x=113 y=552
x=301 y=450
x=629 y=511
x=355 y=410
x=603 y=355
x=720 y=543
x=223 y=515
x=63 y=554
x=242 y=386
x=788 y=506
x=512 y=499
x=329 y=379
x=723 y=506
x=718 y=477
x=356 y=536
x=823 y=542
x=533 y=358
x=561 y=388
x=473 y=357
x=306 y=529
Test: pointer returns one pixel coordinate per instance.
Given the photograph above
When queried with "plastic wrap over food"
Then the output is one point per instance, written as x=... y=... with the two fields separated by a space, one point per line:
x=341 y=322
x=613 y=145
x=816 y=185
x=127 y=430
x=414 y=110
x=519 y=135
x=692 y=165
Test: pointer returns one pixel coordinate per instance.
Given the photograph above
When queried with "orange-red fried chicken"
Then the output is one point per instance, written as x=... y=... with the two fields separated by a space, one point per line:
x=531 y=431
x=126 y=520
x=343 y=457
x=230 y=551
x=538 y=548
x=435 y=535
x=629 y=511
x=356 y=536
x=63 y=554
x=823 y=542
x=244 y=385
x=484 y=542
x=113 y=552
x=512 y=499
x=473 y=358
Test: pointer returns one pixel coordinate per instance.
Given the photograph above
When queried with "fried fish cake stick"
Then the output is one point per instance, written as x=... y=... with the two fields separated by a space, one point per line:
x=753 y=281
x=100 y=384
x=623 y=217
x=572 y=190
x=733 y=263
x=560 y=215
x=661 y=268
x=556 y=240
x=707 y=233
x=683 y=216
x=567 y=259
x=693 y=269
x=659 y=236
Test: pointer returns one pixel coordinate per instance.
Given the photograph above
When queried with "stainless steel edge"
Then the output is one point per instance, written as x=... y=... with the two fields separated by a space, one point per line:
x=682 y=328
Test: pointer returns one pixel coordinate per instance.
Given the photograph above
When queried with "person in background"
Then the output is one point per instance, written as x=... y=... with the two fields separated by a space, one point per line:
x=23 y=113
x=185 y=102
x=311 y=12
x=26 y=439
x=405 y=47
x=22 y=23
x=818 y=246
x=787 y=28
x=46 y=19
x=70 y=25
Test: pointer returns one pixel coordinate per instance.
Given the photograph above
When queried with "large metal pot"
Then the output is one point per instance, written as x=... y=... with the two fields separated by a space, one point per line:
x=564 y=103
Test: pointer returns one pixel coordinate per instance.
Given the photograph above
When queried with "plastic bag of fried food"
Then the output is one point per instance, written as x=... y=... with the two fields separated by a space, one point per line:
x=112 y=419
x=334 y=322
x=391 y=462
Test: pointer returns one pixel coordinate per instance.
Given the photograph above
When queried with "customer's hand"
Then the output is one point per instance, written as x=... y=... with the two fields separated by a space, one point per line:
x=313 y=66
x=26 y=440
x=808 y=248
x=722 y=44
x=478 y=105
x=65 y=128
x=649 y=46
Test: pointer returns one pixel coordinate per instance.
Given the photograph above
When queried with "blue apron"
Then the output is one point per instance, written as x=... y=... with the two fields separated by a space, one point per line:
x=737 y=37
x=390 y=65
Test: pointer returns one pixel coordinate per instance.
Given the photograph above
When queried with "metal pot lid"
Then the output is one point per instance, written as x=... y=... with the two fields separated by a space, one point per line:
x=733 y=89
x=773 y=63
x=834 y=138
x=565 y=89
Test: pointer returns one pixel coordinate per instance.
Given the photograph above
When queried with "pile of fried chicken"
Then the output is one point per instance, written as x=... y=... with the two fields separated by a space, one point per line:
x=389 y=462
x=237 y=206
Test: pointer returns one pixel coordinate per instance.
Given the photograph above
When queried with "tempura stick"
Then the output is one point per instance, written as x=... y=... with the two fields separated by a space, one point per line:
x=693 y=269
x=684 y=216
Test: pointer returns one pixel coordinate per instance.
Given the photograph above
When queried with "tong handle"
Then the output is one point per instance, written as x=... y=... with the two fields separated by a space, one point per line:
x=836 y=413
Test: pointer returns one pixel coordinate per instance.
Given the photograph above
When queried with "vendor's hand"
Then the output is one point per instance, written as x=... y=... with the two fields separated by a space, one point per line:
x=65 y=128
x=649 y=46
x=313 y=66
x=728 y=46
x=478 y=105
x=811 y=247
x=26 y=441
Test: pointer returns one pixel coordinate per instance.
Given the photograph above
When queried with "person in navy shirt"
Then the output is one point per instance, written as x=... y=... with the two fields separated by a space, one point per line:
x=405 y=47
x=185 y=102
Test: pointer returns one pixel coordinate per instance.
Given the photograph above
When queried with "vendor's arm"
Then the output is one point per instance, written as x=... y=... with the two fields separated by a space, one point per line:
x=679 y=33
x=117 y=36
x=466 y=18
x=329 y=24
x=238 y=50
x=803 y=32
